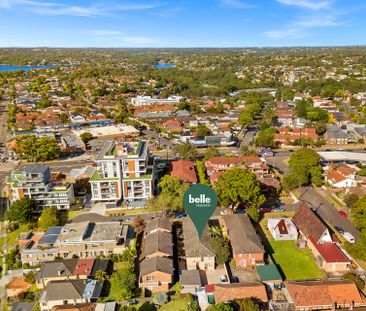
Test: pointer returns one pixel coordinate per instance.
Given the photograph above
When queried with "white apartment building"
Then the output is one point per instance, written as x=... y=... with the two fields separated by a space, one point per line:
x=123 y=172
x=34 y=182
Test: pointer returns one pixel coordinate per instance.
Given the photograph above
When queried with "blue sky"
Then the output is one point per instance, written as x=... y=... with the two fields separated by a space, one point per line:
x=181 y=23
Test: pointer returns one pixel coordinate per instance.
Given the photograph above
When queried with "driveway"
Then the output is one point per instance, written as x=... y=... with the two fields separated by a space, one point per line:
x=278 y=161
x=327 y=211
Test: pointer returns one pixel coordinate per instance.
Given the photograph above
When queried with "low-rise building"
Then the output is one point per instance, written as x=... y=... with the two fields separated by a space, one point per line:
x=324 y=295
x=341 y=176
x=34 y=182
x=319 y=240
x=336 y=136
x=247 y=248
x=282 y=228
x=198 y=252
x=184 y=170
x=60 y=293
x=83 y=240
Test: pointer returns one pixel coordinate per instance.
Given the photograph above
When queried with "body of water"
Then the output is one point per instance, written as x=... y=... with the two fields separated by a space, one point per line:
x=164 y=66
x=25 y=68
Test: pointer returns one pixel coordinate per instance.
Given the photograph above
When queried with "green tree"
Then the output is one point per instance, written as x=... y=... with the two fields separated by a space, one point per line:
x=48 y=218
x=317 y=114
x=351 y=199
x=12 y=259
x=211 y=152
x=221 y=248
x=202 y=131
x=360 y=283
x=201 y=172
x=220 y=307
x=192 y=304
x=100 y=275
x=171 y=195
x=186 y=151
x=253 y=214
x=239 y=185
x=86 y=137
x=64 y=118
x=32 y=148
x=305 y=168
x=125 y=283
x=265 y=138
x=21 y=211
x=247 y=304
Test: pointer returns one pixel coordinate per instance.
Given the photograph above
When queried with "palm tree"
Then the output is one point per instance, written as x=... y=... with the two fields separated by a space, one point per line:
x=100 y=275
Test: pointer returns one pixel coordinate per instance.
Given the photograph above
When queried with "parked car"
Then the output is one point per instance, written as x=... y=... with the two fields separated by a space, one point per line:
x=279 y=203
x=348 y=237
x=132 y=301
x=264 y=210
x=223 y=279
x=278 y=209
x=240 y=212
x=339 y=229
x=180 y=216
x=343 y=214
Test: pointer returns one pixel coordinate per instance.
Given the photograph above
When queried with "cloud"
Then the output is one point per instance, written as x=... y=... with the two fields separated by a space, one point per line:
x=103 y=32
x=307 y=4
x=237 y=4
x=281 y=34
x=59 y=8
x=327 y=21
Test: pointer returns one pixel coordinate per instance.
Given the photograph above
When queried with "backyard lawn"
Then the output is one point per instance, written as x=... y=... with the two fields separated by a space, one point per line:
x=176 y=305
x=296 y=264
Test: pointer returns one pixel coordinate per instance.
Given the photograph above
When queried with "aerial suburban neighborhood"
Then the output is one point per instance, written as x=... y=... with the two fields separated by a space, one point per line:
x=95 y=162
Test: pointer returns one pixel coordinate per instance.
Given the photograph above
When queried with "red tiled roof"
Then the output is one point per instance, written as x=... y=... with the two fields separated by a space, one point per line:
x=184 y=170
x=308 y=223
x=335 y=176
x=329 y=251
x=323 y=293
x=230 y=292
x=282 y=228
x=84 y=266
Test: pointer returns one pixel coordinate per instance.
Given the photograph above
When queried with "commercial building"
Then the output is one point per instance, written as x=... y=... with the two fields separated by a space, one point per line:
x=123 y=172
x=34 y=182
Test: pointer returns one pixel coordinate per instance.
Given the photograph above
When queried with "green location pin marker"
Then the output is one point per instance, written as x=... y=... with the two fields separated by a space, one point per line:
x=200 y=202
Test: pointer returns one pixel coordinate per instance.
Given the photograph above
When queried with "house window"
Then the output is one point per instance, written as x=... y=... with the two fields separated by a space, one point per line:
x=150 y=278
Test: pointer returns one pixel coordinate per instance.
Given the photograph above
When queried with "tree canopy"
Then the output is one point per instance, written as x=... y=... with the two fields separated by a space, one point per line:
x=239 y=185
x=22 y=211
x=48 y=218
x=186 y=151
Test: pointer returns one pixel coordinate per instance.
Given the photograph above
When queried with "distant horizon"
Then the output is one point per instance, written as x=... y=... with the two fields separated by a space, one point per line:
x=187 y=47
x=181 y=23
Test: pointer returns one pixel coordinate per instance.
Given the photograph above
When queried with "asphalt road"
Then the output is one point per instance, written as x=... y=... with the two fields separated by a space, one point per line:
x=278 y=161
x=327 y=211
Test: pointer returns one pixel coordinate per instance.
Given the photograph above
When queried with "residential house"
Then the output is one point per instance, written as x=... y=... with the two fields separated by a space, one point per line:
x=77 y=117
x=156 y=274
x=34 y=182
x=158 y=224
x=341 y=176
x=69 y=292
x=158 y=244
x=336 y=136
x=184 y=170
x=123 y=172
x=230 y=292
x=70 y=269
x=148 y=100
x=190 y=280
x=84 y=240
x=282 y=228
x=173 y=126
x=284 y=116
x=289 y=135
x=324 y=295
x=198 y=252
x=319 y=240
x=217 y=165
x=17 y=288
x=247 y=249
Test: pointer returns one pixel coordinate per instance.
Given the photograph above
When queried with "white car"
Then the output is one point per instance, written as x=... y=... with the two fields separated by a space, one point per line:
x=348 y=237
